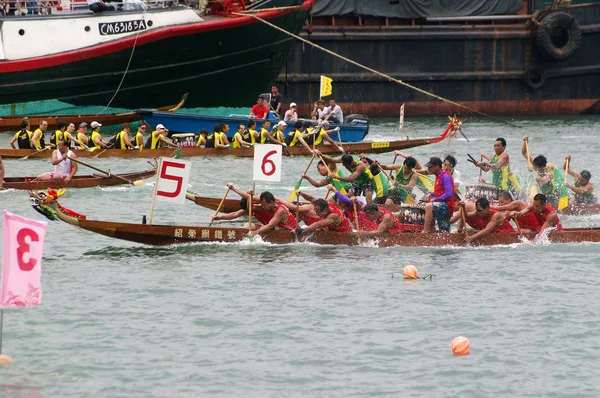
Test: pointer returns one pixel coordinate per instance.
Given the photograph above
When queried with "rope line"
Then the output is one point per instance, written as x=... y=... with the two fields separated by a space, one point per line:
x=388 y=77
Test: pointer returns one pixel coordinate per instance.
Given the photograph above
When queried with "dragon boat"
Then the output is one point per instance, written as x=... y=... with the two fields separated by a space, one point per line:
x=78 y=181
x=299 y=150
x=47 y=204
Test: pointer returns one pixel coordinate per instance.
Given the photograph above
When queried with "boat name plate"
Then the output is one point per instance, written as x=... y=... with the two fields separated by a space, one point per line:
x=380 y=144
x=115 y=28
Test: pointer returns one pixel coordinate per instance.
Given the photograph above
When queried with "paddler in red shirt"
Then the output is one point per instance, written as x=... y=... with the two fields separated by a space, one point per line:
x=545 y=214
x=331 y=217
x=528 y=222
x=493 y=220
x=386 y=221
x=272 y=215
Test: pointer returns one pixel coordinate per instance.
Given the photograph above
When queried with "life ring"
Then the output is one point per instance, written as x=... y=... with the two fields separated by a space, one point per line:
x=558 y=36
x=534 y=77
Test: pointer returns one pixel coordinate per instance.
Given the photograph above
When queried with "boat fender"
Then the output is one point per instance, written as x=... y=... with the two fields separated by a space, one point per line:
x=356 y=119
x=534 y=77
x=566 y=32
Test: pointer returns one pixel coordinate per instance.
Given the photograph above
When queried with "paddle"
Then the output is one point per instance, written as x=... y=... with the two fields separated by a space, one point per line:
x=100 y=153
x=108 y=173
x=33 y=153
x=220 y=204
x=394 y=162
x=340 y=140
x=532 y=187
x=563 y=200
x=464 y=219
x=299 y=183
x=250 y=237
x=356 y=222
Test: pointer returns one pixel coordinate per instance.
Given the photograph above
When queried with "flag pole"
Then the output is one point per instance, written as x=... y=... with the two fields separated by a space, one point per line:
x=401 y=120
x=1 y=327
x=155 y=189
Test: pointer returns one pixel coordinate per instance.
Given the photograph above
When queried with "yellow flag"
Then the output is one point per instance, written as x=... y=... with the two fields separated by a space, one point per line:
x=326 y=88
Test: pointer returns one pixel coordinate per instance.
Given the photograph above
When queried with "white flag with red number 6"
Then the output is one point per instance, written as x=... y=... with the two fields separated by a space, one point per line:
x=172 y=180
x=267 y=162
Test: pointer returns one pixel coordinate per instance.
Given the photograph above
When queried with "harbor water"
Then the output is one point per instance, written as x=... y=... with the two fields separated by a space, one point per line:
x=120 y=319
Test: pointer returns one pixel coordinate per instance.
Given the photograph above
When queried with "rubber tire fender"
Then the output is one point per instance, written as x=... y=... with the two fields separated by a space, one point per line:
x=534 y=77
x=544 y=36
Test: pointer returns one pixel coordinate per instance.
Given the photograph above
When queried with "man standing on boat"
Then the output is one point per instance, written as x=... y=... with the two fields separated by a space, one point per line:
x=499 y=164
x=334 y=112
x=275 y=99
x=441 y=202
x=490 y=219
x=38 y=136
x=22 y=137
x=259 y=110
x=583 y=189
x=64 y=168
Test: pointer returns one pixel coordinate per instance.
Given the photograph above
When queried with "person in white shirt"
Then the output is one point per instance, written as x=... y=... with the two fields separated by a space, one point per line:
x=449 y=164
x=291 y=114
x=334 y=112
x=64 y=168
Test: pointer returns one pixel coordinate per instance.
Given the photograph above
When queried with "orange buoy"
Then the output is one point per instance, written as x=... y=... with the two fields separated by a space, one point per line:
x=461 y=346
x=5 y=360
x=410 y=272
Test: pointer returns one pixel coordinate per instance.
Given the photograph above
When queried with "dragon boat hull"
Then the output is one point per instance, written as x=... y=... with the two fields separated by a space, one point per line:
x=78 y=181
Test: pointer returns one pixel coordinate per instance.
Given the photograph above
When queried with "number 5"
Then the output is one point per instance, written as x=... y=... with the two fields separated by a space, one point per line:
x=166 y=176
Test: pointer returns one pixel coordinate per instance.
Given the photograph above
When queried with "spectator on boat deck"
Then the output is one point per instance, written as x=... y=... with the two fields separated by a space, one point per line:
x=318 y=111
x=44 y=7
x=98 y=6
x=290 y=114
x=20 y=8
x=275 y=99
x=333 y=112
x=4 y=7
x=259 y=110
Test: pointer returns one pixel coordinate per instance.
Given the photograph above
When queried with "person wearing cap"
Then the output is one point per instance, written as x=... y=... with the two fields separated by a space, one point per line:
x=583 y=189
x=274 y=137
x=96 y=138
x=259 y=110
x=158 y=139
x=81 y=135
x=441 y=201
x=38 y=135
x=333 y=112
x=290 y=114
x=322 y=135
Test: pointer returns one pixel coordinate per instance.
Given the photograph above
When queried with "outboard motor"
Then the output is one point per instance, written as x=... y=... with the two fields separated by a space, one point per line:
x=355 y=118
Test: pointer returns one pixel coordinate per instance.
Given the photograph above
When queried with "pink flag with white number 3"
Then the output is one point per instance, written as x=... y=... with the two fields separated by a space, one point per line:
x=23 y=241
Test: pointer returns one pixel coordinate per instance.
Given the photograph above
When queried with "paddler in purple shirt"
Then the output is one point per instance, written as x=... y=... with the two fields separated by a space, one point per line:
x=441 y=202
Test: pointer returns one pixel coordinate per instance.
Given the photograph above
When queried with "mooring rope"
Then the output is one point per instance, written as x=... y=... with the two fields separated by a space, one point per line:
x=388 y=77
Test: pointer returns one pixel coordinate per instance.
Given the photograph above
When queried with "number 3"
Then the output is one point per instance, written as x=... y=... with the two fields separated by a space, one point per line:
x=24 y=248
x=268 y=161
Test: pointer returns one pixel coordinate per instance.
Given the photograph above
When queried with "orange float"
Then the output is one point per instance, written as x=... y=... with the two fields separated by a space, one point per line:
x=411 y=272
x=461 y=346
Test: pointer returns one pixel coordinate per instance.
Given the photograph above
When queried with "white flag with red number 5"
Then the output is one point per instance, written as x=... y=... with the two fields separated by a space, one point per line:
x=172 y=180
x=267 y=162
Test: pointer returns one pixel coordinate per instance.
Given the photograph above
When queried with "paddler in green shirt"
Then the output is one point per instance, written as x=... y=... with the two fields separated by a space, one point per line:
x=361 y=178
x=329 y=173
x=405 y=180
x=499 y=163
x=549 y=179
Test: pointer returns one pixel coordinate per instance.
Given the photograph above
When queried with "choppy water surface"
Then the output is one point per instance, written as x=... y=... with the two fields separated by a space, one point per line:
x=121 y=320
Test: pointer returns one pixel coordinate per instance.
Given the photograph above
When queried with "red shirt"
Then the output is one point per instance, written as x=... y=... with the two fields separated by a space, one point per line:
x=264 y=217
x=396 y=226
x=259 y=111
x=438 y=190
x=529 y=221
x=364 y=224
x=308 y=220
x=504 y=227
x=344 y=225
x=541 y=218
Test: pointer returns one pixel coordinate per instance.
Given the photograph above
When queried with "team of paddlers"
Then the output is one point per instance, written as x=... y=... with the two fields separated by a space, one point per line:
x=391 y=204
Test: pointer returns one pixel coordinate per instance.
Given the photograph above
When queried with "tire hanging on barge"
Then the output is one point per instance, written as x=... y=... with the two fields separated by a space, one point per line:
x=566 y=32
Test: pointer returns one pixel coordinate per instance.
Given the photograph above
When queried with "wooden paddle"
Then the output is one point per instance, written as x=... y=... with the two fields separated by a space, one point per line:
x=566 y=170
x=464 y=219
x=340 y=140
x=251 y=238
x=108 y=173
x=36 y=151
x=100 y=153
x=394 y=162
x=532 y=187
x=356 y=222
x=220 y=204
x=297 y=187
